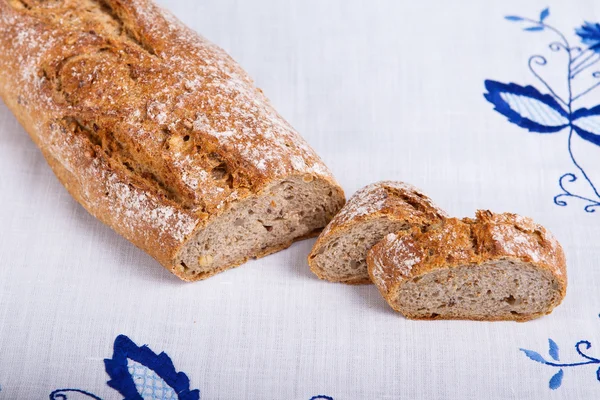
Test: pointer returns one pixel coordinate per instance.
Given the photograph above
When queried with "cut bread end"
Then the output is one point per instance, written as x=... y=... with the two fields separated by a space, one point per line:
x=506 y=289
x=290 y=209
x=339 y=255
x=342 y=258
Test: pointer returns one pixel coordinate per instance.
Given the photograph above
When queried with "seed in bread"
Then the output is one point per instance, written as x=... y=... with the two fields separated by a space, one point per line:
x=339 y=254
x=493 y=267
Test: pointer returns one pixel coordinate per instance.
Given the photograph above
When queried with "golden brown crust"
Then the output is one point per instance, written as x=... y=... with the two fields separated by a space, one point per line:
x=392 y=200
x=153 y=129
x=452 y=243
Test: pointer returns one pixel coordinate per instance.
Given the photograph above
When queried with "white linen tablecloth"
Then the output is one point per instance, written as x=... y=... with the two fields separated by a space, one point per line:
x=382 y=89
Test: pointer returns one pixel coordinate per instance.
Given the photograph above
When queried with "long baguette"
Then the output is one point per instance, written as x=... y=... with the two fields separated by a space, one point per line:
x=159 y=133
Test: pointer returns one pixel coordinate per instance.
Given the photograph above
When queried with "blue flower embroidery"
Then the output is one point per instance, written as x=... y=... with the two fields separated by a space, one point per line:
x=527 y=107
x=556 y=379
x=138 y=373
x=590 y=35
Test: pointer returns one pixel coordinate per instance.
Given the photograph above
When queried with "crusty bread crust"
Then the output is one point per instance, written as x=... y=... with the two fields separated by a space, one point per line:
x=393 y=200
x=150 y=127
x=452 y=243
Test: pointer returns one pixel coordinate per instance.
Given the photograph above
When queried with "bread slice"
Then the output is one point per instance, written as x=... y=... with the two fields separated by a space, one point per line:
x=339 y=254
x=495 y=267
x=159 y=133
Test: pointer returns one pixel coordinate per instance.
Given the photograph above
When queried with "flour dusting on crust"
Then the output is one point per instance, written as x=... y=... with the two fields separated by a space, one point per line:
x=151 y=127
x=381 y=197
x=521 y=237
x=468 y=242
x=395 y=256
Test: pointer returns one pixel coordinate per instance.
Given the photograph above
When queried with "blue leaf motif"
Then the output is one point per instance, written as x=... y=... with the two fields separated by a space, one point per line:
x=513 y=18
x=556 y=380
x=544 y=14
x=534 y=355
x=553 y=349
x=526 y=107
x=140 y=374
x=534 y=28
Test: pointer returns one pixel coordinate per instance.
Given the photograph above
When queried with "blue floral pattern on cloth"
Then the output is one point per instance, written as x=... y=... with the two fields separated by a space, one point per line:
x=556 y=379
x=138 y=373
x=527 y=107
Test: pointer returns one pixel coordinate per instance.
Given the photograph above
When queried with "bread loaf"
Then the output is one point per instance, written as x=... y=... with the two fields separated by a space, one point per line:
x=339 y=254
x=159 y=133
x=494 y=267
